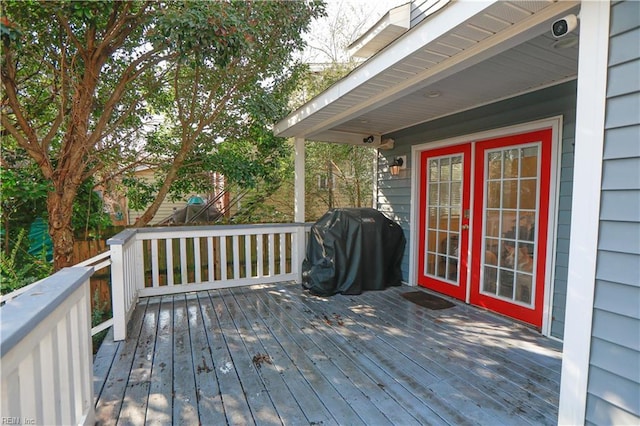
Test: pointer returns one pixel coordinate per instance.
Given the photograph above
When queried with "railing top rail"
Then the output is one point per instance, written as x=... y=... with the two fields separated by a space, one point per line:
x=21 y=315
x=217 y=227
x=123 y=237
x=95 y=259
x=204 y=230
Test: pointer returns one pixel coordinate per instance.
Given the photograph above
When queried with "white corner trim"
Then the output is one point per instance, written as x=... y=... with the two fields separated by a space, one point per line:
x=553 y=217
x=589 y=141
x=413 y=213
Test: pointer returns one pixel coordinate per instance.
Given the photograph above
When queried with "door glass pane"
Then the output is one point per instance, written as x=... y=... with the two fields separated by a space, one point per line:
x=444 y=193
x=505 y=283
x=493 y=195
x=527 y=194
x=445 y=169
x=527 y=226
x=492 y=223
x=494 y=165
x=443 y=222
x=529 y=162
x=490 y=280
x=510 y=194
x=433 y=171
x=444 y=199
x=523 y=288
x=491 y=247
x=431 y=264
x=508 y=224
x=456 y=193
x=509 y=219
x=432 y=218
x=456 y=169
x=511 y=161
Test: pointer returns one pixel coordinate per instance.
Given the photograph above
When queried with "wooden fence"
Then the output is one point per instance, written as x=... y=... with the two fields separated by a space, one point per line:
x=101 y=280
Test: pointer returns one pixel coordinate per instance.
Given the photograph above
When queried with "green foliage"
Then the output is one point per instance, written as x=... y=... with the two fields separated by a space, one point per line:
x=18 y=268
x=23 y=189
x=348 y=172
x=89 y=217
x=100 y=312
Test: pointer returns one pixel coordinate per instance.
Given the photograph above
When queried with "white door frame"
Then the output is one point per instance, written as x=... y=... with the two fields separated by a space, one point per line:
x=555 y=123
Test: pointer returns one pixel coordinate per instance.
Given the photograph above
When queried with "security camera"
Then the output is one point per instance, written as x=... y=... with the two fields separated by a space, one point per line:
x=368 y=139
x=564 y=26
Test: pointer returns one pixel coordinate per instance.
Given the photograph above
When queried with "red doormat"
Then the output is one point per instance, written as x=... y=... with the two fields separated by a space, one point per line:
x=427 y=300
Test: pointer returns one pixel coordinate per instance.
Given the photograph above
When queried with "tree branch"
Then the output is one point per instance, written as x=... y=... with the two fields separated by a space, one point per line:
x=34 y=151
x=67 y=29
x=129 y=74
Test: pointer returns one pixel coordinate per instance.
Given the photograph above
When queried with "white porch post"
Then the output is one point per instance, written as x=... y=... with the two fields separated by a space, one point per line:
x=298 y=206
x=587 y=180
x=118 y=293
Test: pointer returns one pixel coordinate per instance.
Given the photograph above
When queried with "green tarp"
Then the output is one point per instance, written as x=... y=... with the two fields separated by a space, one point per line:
x=39 y=239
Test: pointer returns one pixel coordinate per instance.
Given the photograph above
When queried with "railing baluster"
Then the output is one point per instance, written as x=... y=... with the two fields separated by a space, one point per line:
x=48 y=358
x=247 y=256
x=272 y=255
x=223 y=258
x=260 y=255
x=76 y=362
x=210 y=261
x=236 y=258
x=184 y=277
x=197 y=264
x=169 y=254
x=27 y=380
x=138 y=265
x=283 y=253
x=155 y=268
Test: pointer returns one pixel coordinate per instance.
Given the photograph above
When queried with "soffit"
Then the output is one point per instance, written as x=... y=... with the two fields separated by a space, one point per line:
x=502 y=51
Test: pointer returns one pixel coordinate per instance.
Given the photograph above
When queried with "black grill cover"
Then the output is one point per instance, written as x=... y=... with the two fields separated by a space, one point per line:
x=353 y=250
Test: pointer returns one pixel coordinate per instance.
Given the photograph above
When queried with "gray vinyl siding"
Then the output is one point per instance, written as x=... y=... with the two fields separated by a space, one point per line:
x=613 y=393
x=394 y=194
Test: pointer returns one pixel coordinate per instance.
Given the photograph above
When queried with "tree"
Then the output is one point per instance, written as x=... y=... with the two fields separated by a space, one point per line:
x=81 y=80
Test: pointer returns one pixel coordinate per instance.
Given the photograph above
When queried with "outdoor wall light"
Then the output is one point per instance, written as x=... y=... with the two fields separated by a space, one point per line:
x=397 y=165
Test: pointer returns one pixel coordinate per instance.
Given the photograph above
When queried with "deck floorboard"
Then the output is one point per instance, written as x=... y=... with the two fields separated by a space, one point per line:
x=275 y=354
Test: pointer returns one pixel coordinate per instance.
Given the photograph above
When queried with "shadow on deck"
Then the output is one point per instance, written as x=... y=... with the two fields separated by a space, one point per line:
x=277 y=355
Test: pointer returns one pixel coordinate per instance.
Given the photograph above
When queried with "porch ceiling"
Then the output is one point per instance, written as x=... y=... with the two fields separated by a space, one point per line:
x=496 y=51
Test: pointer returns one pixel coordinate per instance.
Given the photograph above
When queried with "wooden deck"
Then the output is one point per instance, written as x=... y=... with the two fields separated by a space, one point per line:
x=277 y=355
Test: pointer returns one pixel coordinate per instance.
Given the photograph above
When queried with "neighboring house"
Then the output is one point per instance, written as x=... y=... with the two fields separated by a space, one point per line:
x=168 y=207
x=520 y=187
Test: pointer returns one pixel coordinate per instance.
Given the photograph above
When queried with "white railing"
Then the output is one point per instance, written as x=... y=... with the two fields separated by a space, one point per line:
x=99 y=262
x=161 y=261
x=46 y=353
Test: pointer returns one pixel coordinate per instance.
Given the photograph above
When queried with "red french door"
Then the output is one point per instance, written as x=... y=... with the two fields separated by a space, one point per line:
x=510 y=221
x=444 y=220
x=507 y=243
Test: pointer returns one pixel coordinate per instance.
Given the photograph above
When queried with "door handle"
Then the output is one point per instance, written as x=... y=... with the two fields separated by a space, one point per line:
x=465 y=227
